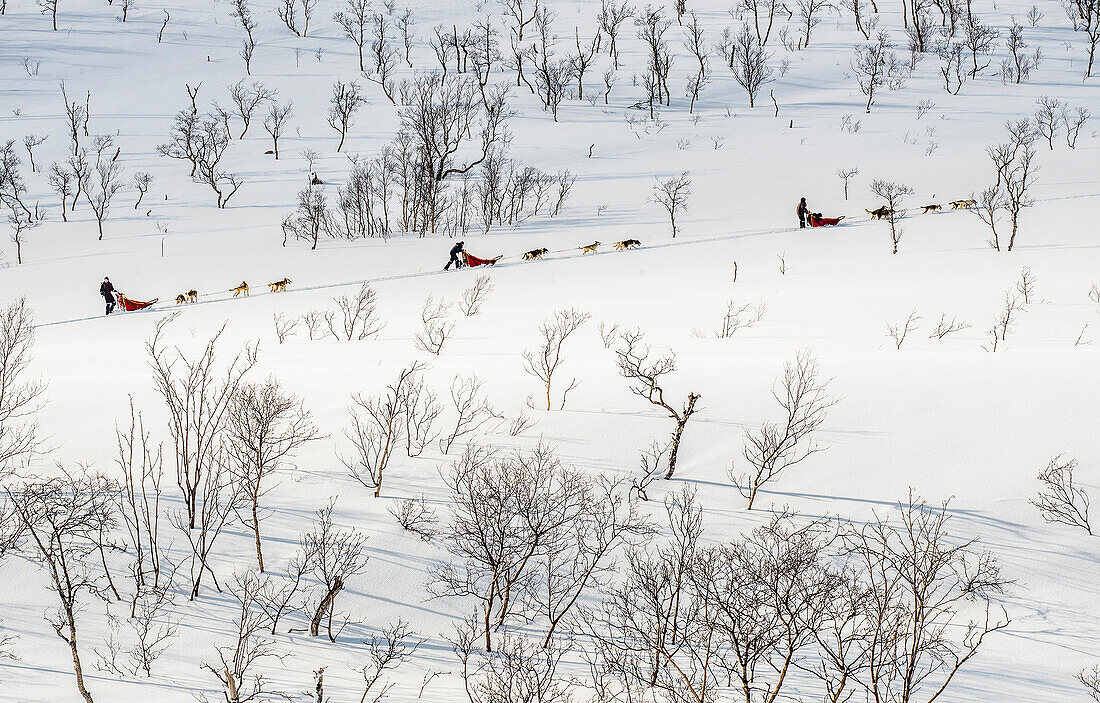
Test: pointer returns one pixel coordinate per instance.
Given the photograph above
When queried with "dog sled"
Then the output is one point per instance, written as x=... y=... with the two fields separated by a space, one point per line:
x=131 y=305
x=816 y=220
x=471 y=260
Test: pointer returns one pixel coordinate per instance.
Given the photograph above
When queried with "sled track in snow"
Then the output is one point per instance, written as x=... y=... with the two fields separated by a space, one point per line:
x=439 y=272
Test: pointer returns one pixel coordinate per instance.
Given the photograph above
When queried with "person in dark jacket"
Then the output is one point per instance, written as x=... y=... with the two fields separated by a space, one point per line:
x=803 y=213
x=108 y=292
x=456 y=250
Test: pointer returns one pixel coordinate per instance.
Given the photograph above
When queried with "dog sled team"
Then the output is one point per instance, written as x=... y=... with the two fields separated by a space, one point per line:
x=460 y=258
x=114 y=298
x=815 y=219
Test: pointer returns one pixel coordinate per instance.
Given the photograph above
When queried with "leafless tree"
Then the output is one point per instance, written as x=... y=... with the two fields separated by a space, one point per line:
x=390 y=648
x=12 y=188
x=141 y=183
x=989 y=204
x=405 y=24
x=377 y=428
x=310 y=220
x=899 y=332
x=552 y=73
x=246 y=98
x=519 y=667
x=31 y=142
x=416 y=516
x=673 y=194
x=359 y=315
x=421 y=409
x=20 y=225
x=544 y=361
x=62 y=522
x=435 y=317
x=646 y=377
x=20 y=396
x=243 y=14
x=944 y=328
x=61 y=180
x=875 y=65
x=1090 y=679
x=1004 y=321
x=354 y=23
x=474 y=296
x=218 y=497
x=763 y=14
x=509 y=513
x=611 y=17
x=1084 y=15
x=281 y=596
x=774 y=448
x=1014 y=161
x=384 y=54
x=764 y=596
x=49 y=7
x=333 y=555
x=277 y=121
x=647 y=633
x=846 y=174
x=345 y=101
x=893 y=194
x=197 y=395
x=738 y=317
x=472 y=410
x=264 y=427
x=924 y=587
x=1061 y=501
x=288 y=13
x=1026 y=285
x=581 y=60
x=107 y=183
x=607 y=522
x=152 y=628
x=239 y=660
x=809 y=11
x=1047 y=113
x=1073 y=124
x=140 y=505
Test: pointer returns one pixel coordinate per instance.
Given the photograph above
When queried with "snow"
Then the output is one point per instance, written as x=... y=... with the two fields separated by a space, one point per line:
x=943 y=417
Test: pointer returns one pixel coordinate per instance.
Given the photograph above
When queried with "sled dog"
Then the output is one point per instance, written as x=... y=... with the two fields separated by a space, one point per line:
x=963 y=204
x=192 y=296
x=243 y=288
x=627 y=244
x=536 y=254
x=590 y=248
x=181 y=299
x=931 y=208
x=879 y=213
x=278 y=286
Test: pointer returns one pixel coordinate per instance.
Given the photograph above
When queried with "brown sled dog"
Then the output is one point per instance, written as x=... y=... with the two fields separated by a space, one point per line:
x=181 y=299
x=963 y=204
x=930 y=208
x=243 y=288
x=279 y=286
x=536 y=254
x=589 y=248
x=627 y=244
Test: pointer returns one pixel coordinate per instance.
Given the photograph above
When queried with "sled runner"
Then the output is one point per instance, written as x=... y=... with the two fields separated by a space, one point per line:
x=130 y=305
x=816 y=220
x=472 y=260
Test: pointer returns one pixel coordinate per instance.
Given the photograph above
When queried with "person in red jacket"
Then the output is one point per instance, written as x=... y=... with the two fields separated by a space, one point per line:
x=108 y=292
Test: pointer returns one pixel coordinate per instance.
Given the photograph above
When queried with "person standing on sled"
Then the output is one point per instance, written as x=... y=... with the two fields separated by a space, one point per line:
x=456 y=251
x=108 y=292
x=803 y=213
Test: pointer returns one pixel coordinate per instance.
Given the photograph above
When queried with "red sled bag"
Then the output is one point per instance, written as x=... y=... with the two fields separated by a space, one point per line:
x=816 y=220
x=130 y=305
x=472 y=260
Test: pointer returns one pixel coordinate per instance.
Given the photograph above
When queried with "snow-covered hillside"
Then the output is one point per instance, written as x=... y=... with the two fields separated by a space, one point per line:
x=894 y=410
